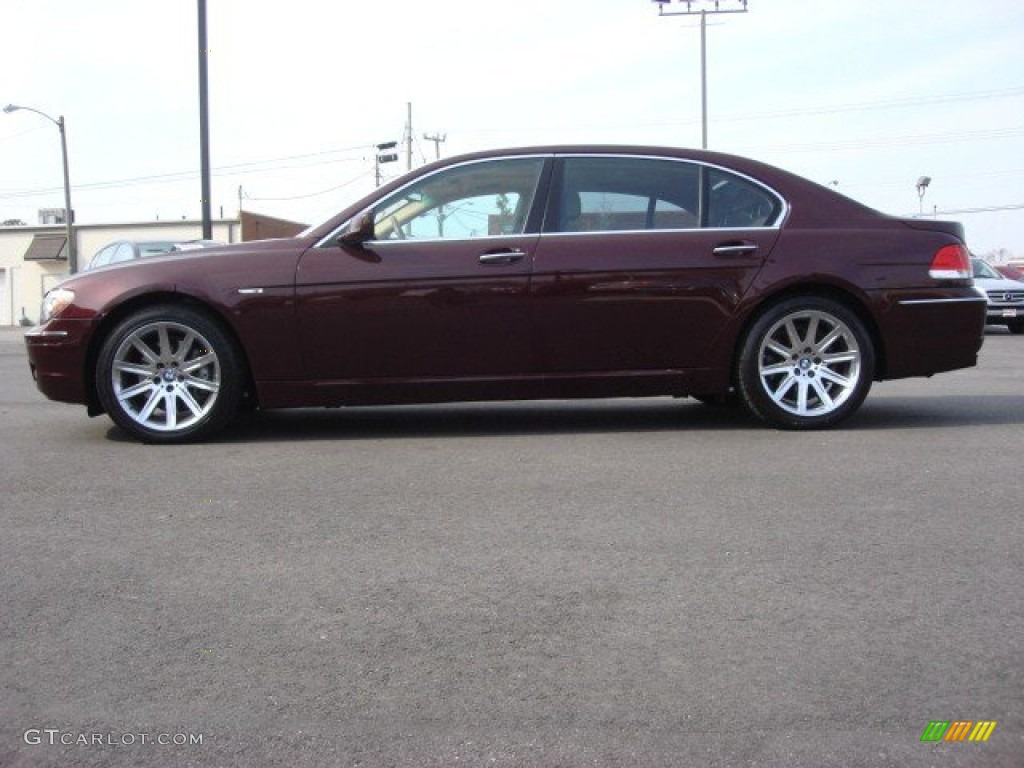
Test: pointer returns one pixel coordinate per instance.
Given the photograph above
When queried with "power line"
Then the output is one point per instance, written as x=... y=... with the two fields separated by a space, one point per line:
x=912 y=101
x=178 y=176
x=932 y=100
x=923 y=138
x=987 y=209
x=351 y=181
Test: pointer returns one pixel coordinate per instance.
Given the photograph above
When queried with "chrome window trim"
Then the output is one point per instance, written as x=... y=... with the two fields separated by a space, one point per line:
x=426 y=240
x=606 y=233
x=330 y=239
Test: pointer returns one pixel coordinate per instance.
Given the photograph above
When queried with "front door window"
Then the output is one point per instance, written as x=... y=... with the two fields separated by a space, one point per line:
x=486 y=199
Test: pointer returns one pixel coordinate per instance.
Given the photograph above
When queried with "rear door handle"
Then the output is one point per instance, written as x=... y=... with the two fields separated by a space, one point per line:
x=735 y=248
x=502 y=256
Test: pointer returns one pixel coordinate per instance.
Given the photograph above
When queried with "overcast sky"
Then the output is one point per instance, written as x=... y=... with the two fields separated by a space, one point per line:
x=871 y=95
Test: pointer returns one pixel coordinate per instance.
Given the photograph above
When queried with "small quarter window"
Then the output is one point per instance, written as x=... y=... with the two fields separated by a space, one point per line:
x=735 y=203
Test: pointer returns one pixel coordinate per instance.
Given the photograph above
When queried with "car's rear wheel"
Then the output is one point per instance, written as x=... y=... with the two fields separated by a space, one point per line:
x=169 y=374
x=806 y=363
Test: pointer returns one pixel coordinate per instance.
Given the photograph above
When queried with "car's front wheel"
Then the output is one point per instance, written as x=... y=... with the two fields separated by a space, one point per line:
x=169 y=374
x=806 y=363
x=1016 y=326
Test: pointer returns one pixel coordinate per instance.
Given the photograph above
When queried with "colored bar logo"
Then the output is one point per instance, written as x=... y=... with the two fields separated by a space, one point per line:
x=958 y=730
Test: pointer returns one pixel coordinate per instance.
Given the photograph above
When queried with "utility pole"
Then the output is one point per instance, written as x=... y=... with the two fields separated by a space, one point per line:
x=204 y=125
x=408 y=138
x=438 y=139
x=703 y=11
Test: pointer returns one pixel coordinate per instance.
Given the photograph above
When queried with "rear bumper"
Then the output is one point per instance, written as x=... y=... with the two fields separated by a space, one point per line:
x=928 y=334
x=57 y=353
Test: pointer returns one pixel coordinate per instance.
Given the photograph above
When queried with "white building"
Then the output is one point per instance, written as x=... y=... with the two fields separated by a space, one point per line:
x=34 y=258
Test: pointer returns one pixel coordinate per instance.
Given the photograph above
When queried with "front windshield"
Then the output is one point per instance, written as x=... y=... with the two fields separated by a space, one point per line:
x=982 y=269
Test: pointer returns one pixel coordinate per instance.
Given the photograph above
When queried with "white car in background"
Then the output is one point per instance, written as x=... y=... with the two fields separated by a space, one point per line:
x=126 y=250
x=1005 y=296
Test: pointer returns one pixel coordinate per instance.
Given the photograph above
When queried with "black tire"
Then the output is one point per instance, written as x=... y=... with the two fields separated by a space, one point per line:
x=169 y=374
x=1016 y=327
x=806 y=363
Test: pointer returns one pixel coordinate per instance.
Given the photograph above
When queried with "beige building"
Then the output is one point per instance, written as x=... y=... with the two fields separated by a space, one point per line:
x=33 y=258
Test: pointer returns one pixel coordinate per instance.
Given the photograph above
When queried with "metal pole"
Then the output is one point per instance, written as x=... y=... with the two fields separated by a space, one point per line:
x=703 y=79
x=408 y=139
x=69 y=215
x=739 y=6
x=204 y=125
x=10 y=279
x=437 y=138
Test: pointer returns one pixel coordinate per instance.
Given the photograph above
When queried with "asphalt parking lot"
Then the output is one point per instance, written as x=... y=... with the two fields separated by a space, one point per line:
x=623 y=583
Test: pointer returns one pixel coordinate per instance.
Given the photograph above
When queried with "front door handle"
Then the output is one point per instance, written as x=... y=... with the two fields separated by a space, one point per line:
x=735 y=248
x=502 y=256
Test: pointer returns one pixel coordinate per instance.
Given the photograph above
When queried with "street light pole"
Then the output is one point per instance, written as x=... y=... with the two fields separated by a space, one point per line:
x=204 y=125
x=704 y=79
x=691 y=11
x=68 y=213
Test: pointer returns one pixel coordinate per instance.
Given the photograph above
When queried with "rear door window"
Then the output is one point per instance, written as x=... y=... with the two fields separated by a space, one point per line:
x=606 y=194
x=624 y=194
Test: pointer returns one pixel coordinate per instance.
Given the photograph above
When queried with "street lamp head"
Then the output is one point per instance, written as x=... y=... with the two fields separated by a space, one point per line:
x=11 y=108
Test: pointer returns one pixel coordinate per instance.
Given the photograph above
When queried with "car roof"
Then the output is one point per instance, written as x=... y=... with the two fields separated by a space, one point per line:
x=809 y=201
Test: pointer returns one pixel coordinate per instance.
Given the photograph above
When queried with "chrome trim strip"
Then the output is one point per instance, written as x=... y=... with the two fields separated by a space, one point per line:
x=909 y=302
x=36 y=333
x=250 y=291
x=772 y=228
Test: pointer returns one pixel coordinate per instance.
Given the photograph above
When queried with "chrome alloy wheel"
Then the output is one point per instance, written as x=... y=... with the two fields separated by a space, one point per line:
x=809 y=363
x=165 y=376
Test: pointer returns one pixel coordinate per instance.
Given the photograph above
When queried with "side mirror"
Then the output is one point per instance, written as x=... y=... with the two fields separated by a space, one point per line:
x=358 y=231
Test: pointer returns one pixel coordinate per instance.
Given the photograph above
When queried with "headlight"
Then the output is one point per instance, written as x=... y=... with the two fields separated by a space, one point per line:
x=55 y=302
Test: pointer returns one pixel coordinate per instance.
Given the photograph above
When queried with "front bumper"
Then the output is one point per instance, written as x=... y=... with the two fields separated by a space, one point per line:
x=57 y=356
x=998 y=314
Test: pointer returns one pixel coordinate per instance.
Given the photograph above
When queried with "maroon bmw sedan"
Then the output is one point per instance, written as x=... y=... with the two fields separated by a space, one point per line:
x=546 y=272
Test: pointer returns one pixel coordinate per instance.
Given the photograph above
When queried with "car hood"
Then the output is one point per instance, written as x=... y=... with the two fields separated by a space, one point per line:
x=1001 y=284
x=211 y=275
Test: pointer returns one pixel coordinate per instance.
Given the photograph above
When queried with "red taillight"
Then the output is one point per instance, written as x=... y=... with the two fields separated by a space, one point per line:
x=951 y=262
